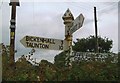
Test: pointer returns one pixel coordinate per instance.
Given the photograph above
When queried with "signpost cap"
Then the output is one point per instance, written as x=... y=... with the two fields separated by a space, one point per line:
x=68 y=15
x=14 y=1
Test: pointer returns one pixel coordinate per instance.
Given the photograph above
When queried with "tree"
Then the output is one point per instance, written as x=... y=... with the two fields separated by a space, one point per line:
x=93 y=70
x=88 y=44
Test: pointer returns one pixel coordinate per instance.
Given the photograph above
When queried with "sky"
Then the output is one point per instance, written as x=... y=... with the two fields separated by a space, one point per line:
x=44 y=19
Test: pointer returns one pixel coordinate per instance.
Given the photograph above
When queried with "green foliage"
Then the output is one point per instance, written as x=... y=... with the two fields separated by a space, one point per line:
x=88 y=44
x=90 y=71
x=5 y=65
x=59 y=60
x=25 y=70
x=49 y=70
x=80 y=71
x=93 y=71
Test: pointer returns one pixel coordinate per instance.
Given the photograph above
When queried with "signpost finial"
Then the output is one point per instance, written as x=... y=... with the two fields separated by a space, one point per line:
x=68 y=16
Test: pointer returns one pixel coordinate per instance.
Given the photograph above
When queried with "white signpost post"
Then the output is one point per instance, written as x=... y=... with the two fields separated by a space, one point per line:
x=77 y=23
x=71 y=26
x=43 y=43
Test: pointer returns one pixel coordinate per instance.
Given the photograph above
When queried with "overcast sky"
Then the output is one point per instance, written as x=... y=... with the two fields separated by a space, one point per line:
x=44 y=19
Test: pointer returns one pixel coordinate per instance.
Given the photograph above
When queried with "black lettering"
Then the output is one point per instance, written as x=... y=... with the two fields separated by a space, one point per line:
x=30 y=38
x=73 y=29
x=31 y=45
x=41 y=40
x=47 y=46
x=37 y=39
x=48 y=41
x=51 y=41
x=36 y=45
x=27 y=38
x=34 y=38
x=44 y=46
x=44 y=40
x=40 y=45
x=27 y=44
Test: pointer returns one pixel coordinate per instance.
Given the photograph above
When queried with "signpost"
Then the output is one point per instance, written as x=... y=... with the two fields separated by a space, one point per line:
x=68 y=19
x=77 y=23
x=71 y=26
x=43 y=43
